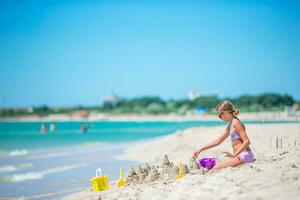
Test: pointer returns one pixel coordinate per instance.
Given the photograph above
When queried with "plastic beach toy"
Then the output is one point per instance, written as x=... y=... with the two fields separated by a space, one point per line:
x=99 y=182
x=180 y=175
x=121 y=182
x=208 y=163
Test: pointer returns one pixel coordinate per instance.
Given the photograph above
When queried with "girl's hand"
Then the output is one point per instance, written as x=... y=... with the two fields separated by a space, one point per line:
x=229 y=155
x=196 y=153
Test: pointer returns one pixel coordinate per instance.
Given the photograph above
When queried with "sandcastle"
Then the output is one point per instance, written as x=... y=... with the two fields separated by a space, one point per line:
x=131 y=175
x=166 y=162
x=193 y=164
x=140 y=175
x=153 y=174
x=185 y=169
x=195 y=168
x=166 y=170
x=146 y=169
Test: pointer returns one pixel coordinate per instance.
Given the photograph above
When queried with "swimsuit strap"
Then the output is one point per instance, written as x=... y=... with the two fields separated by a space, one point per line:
x=233 y=135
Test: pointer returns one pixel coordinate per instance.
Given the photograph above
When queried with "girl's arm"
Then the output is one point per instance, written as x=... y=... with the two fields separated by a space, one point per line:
x=214 y=143
x=239 y=127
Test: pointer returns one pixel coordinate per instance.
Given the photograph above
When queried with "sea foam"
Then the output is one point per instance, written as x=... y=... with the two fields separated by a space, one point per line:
x=38 y=175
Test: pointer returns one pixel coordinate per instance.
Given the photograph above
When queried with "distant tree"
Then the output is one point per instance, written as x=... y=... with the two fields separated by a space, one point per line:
x=107 y=106
x=207 y=101
x=155 y=105
x=155 y=108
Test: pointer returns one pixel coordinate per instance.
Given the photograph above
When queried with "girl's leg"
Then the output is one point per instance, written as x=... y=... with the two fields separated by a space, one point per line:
x=231 y=162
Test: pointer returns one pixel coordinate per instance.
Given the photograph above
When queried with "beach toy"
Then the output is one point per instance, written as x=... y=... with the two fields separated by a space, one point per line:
x=99 y=182
x=208 y=163
x=121 y=182
x=180 y=175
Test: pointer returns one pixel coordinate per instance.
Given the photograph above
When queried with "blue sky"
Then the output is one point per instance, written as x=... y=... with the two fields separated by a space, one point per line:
x=66 y=53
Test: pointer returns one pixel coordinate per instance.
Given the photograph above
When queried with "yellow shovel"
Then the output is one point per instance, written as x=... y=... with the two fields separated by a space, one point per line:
x=121 y=182
x=180 y=175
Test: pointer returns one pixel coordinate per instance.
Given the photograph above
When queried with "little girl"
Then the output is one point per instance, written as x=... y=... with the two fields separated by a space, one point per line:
x=240 y=141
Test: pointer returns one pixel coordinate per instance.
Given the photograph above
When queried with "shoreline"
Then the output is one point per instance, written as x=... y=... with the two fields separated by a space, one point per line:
x=254 y=116
x=57 y=172
x=274 y=174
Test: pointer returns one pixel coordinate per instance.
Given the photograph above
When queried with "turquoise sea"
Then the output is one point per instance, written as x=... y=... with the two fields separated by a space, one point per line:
x=48 y=166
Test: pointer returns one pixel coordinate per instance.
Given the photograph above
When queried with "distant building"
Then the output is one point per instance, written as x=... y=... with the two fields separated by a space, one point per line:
x=197 y=111
x=296 y=106
x=30 y=109
x=113 y=99
x=81 y=113
x=200 y=110
x=193 y=94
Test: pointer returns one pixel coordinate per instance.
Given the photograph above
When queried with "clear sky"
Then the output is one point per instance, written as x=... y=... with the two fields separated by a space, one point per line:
x=66 y=53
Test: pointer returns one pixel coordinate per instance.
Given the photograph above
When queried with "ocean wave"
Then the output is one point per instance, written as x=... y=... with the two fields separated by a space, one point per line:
x=51 y=155
x=63 y=154
x=8 y=168
x=26 y=176
x=63 y=168
x=37 y=175
x=12 y=168
x=22 y=152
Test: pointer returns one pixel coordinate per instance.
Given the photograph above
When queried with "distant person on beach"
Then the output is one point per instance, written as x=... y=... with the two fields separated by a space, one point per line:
x=43 y=128
x=84 y=128
x=239 y=139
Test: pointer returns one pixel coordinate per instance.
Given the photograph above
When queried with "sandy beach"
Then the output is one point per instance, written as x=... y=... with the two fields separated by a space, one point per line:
x=274 y=175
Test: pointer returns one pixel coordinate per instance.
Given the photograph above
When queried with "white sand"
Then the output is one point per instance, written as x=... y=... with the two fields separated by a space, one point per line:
x=274 y=175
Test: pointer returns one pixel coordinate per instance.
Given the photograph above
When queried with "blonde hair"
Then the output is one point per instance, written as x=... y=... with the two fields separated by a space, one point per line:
x=227 y=106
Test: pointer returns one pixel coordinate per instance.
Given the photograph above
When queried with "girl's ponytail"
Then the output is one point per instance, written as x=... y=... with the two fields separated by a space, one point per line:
x=235 y=112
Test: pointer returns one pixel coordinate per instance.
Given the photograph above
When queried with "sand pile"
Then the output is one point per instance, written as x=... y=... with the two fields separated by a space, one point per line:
x=153 y=174
x=166 y=171
x=193 y=164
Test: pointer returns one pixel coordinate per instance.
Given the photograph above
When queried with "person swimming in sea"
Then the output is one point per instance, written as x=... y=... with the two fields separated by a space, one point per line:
x=84 y=128
x=52 y=127
x=239 y=140
x=44 y=129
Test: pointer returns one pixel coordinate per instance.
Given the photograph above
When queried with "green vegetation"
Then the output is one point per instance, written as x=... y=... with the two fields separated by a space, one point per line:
x=155 y=105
